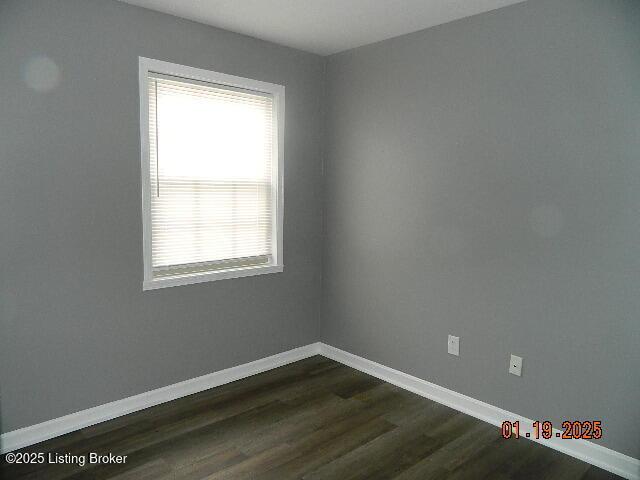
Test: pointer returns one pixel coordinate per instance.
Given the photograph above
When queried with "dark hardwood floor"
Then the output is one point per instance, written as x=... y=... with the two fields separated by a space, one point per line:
x=314 y=419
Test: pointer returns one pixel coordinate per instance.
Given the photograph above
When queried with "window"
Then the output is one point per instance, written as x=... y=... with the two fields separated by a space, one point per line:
x=211 y=175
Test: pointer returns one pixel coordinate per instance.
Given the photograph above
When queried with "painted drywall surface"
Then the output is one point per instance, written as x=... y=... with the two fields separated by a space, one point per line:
x=76 y=328
x=483 y=180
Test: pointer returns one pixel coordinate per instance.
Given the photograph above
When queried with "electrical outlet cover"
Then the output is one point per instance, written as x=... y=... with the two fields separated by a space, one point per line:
x=453 y=345
x=515 y=365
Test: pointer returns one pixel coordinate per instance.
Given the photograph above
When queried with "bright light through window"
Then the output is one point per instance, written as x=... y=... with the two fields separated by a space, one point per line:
x=213 y=196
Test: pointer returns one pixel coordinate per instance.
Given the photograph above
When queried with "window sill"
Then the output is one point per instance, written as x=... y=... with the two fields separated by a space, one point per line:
x=209 y=276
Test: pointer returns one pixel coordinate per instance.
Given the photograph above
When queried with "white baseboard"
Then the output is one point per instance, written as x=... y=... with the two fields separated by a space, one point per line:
x=605 y=458
x=75 y=421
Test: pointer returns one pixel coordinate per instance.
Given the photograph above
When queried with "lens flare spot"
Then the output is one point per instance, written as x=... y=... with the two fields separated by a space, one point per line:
x=42 y=74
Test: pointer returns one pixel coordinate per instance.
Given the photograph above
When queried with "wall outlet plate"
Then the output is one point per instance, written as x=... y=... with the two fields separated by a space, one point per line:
x=453 y=345
x=515 y=365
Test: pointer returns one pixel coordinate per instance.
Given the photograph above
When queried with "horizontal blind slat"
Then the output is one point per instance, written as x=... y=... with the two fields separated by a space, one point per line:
x=210 y=162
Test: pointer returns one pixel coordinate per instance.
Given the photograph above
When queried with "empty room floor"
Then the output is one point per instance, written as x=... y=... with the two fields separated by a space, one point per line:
x=313 y=419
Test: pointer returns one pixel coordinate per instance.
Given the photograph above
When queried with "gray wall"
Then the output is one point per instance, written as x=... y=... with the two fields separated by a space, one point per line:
x=76 y=328
x=483 y=180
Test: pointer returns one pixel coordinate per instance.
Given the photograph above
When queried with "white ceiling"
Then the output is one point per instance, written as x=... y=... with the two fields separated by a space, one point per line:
x=323 y=26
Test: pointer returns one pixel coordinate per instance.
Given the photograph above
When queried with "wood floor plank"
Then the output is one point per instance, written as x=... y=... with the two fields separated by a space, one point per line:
x=595 y=473
x=327 y=444
x=309 y=417
x=388 y=451
x=207 y=466
x=490 y=460
x=451 y=454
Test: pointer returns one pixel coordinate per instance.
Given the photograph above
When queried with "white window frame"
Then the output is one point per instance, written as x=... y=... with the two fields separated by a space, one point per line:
x=147 y=65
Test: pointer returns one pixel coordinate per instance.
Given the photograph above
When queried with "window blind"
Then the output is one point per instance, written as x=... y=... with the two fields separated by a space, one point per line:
x=211 y=177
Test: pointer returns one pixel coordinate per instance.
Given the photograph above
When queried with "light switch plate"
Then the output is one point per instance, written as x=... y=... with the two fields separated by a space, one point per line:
x=453 y=345
x=515 y=365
